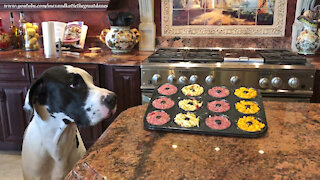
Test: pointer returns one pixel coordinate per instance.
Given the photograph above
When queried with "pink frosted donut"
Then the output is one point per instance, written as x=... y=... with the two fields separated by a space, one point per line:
x=163 y=103
x=218 y=106
x=167 y=89
x=218 y=92
x=218 y=122
x=158 y=118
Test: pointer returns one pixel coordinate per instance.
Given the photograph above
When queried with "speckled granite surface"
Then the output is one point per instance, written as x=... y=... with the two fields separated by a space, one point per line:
x=289 y=150
x=106 y=57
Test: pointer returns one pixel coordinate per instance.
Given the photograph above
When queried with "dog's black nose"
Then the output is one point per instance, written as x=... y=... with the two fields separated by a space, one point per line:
x=111 y=100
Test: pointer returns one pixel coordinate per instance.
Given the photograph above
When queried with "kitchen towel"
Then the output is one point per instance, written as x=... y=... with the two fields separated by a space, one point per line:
x=49 y=43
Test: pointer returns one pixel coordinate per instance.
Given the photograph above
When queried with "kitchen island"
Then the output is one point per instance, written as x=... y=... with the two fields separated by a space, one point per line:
x=289 y=150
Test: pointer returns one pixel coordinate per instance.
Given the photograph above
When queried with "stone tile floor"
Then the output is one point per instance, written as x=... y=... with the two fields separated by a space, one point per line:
x=10 y=165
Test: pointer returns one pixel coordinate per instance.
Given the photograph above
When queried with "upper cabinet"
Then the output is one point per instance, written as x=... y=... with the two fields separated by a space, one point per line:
x=34 y=5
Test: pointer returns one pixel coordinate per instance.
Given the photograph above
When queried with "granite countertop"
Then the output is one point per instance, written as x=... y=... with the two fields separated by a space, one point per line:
x=134 y=58
x=105 y=57
x=289 y=150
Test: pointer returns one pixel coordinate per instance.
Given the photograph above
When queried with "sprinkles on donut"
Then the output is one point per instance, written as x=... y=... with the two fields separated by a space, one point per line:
x=158 y=118
x=250 y=124
x=190 y=104
x=218 y=122
x=247 y=107
x=167 y=89
x=187 y=120
x=218 y=92
x=163 y=103
x=192 y=90
x=245 y=93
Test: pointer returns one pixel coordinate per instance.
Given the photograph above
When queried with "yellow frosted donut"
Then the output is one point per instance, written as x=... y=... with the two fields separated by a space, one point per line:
x=190 y=104
x=250 y=124
x=192 y=90
x=245 y=93
x=187 y=120
x=247 y=107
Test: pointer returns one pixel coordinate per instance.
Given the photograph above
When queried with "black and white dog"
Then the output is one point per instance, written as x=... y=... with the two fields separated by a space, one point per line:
x=63 y=98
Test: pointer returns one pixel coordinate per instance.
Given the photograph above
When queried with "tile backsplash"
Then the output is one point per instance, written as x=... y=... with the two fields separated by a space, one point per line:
x=97 y=20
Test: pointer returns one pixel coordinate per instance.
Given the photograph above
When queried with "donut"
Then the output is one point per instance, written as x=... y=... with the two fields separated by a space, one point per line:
x=218 y=122
x=187 y=120
x=250 y=124
x=218 y=92
x=247 y=107
x=245 y=93
x=192 y=90
x=218 y=106
x=167 y=89
x=163 y=103
x=158 y=118
x=190 y=104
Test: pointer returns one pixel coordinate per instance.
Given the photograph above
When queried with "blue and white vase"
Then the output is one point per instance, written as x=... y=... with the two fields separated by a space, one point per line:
x=308 y=39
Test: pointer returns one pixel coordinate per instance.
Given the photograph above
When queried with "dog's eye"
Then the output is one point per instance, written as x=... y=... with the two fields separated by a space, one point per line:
x=76 y=82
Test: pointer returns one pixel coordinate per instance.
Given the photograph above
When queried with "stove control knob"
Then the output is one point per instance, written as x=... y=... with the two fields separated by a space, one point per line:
x=234 y=80
x=209 y=80
x=156 y=78
x=294 y=82
x=171 y=78
x=183 y=79
x=193 y=79
x=276 y=82
x=264 y=82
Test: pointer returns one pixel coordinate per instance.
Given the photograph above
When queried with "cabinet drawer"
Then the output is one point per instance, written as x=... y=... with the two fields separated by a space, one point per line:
x=36 y=69
x=14 y=72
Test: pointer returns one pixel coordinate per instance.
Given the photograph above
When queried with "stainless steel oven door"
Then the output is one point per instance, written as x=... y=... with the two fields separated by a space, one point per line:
x=146 y=95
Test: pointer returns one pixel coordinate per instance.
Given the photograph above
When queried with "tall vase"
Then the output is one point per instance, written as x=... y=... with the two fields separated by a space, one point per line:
x=308 y=39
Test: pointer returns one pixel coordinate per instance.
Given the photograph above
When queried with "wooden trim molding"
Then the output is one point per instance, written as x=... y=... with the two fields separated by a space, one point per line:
x=277 y=29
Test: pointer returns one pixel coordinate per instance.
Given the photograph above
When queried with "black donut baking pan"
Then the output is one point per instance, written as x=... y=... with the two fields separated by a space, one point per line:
x=162 y=118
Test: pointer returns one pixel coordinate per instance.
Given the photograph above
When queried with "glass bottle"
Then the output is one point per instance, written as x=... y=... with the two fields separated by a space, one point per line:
x=4 y=38
x=20 y=30
x=13 y=33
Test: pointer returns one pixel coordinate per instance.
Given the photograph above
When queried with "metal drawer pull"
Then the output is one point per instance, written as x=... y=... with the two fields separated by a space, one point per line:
x=22 y=72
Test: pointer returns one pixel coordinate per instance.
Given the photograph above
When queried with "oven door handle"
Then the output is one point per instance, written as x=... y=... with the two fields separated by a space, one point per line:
x=145 y=99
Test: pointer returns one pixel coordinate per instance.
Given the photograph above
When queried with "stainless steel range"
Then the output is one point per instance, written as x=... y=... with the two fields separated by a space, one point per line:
x=279 y=74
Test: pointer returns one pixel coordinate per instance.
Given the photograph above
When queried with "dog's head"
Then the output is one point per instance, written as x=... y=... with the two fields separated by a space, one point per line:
x=70 y=91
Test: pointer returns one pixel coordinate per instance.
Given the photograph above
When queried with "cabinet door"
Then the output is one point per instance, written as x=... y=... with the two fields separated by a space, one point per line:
x=89 y=134
x=316 y=88
x=126 y=84
x=13 y=119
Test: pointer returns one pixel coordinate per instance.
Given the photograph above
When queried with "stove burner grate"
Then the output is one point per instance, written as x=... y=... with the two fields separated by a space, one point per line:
x=186 y=55
x=282 y=57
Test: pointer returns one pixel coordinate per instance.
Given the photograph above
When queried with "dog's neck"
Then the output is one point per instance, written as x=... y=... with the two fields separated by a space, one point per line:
x=57 y=129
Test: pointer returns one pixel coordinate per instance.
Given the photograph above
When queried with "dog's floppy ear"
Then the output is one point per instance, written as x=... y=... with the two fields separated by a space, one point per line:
x=36 y=98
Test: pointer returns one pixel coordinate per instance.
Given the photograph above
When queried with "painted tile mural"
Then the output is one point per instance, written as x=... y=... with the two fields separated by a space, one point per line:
x=222 y=12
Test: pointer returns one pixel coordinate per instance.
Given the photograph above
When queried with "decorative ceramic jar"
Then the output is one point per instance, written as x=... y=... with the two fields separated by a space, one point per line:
x=120 y=39
x=308 y=39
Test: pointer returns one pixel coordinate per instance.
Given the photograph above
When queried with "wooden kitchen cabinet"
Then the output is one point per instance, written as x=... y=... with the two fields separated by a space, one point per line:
x=125 y=82
x=316 y=88
x=36 y=69
x=14 y=84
